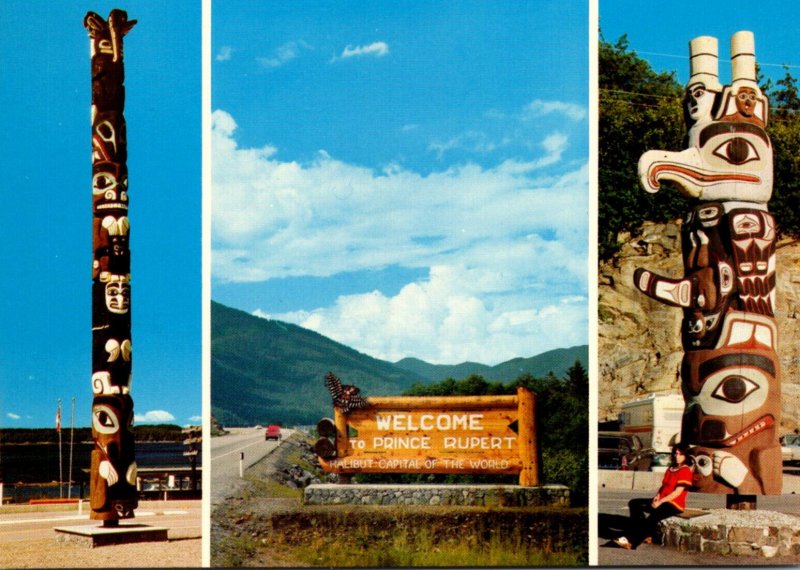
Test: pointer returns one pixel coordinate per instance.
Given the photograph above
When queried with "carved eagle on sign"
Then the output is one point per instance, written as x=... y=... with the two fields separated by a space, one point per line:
x=345 y=397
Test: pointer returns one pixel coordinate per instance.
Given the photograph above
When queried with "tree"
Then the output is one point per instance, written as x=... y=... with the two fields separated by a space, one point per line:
x=578 y=380
x=639 y=110
x=562 y=412
x=785 y=99
x=784 y=131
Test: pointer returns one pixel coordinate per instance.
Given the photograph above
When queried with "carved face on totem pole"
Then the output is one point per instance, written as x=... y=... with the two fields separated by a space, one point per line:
x=113 y=475
x=113 y=490
x=730 y=371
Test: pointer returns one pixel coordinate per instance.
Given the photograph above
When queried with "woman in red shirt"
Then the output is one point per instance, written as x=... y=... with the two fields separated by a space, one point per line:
x=669 y=501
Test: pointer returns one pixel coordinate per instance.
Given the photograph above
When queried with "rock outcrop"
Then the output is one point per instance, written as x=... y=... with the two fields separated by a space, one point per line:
x=639 y=342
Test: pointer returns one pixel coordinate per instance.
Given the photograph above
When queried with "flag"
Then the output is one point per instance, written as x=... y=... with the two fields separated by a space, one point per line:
x=58 y=417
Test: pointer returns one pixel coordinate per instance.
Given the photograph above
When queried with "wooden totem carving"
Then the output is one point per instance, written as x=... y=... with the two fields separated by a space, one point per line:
x=730 y=370
x=113 y=467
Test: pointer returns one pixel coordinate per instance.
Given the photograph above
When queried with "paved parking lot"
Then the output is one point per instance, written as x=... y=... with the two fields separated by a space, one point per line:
x=613 y=519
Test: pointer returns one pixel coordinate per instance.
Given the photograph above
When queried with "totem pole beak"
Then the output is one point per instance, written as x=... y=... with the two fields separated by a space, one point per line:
x=733 y=162
x=682 y=168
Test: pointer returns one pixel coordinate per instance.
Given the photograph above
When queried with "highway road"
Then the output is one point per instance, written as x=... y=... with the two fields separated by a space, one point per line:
x=226 y=453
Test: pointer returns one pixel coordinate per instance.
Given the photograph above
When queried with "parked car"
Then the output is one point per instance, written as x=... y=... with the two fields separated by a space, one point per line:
x=620 y=450
x=273 y=432
x=790 y=448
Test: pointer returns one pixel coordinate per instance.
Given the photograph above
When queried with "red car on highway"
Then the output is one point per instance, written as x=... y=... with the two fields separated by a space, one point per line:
x=273 y=432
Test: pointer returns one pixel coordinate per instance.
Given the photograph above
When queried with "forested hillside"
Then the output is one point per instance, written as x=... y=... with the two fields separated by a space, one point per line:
x=268 y=371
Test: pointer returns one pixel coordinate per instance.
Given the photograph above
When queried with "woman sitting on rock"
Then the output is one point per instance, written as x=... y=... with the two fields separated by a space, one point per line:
x=669 y=501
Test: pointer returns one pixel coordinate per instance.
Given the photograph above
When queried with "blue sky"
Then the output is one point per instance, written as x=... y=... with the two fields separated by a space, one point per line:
x=409 y=179
x=45 y=209
x=660 y=32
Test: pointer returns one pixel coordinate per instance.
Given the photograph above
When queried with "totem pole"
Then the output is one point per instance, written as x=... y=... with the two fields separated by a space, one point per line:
x=113 y=468
x=730 y=370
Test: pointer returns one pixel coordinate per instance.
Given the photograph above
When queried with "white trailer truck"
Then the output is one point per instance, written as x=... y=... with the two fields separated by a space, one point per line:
x=656 y=419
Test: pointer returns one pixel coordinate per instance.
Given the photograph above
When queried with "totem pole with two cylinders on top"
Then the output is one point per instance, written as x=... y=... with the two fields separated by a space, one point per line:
x=730 y=370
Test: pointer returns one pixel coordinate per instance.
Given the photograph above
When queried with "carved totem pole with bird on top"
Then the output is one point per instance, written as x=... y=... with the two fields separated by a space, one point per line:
x=730 y=369
x=113 y=467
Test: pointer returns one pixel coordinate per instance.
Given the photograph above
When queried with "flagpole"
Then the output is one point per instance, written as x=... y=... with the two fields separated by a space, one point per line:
x=71 y=443
x=60 y=460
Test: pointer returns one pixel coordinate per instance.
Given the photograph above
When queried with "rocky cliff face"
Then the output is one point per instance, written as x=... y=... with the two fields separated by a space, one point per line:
x=639 y=339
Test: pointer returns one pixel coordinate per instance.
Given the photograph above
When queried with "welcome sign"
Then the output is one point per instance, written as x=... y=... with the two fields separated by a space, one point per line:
x=448 y=434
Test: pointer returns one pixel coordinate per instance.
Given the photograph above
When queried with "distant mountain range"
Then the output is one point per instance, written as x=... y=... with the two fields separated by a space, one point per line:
x=268 y=371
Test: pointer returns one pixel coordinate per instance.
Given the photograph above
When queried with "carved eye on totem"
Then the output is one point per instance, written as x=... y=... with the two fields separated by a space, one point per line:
x=745 y=224
x=734 y=389
x=709 y=212
x=104 y=419
x=737 y=151
x=697 y=92
x=704 y=464
x=105 y=183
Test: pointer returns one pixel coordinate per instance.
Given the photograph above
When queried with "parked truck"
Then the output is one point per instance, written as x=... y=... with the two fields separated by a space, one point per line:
x=656 y=419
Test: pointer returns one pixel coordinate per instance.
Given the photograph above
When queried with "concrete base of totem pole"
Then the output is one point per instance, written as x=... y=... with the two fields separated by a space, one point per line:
x=433 y=495
x=97 y=535
x=731 y=532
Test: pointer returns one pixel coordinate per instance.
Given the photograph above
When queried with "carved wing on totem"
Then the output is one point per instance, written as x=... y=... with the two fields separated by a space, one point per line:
x=97 y=26
x=345 y=397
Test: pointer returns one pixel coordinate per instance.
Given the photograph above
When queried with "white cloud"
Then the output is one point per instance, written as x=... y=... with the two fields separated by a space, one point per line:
x=450 y=318
x=375 y=49
x=512 y=130
x=153 y=417
x=224 y=53
x=13 y=416
x=277 y=219
x=505 y=247
x=196 y=419
x=283 y=54
x=554 y=144
x=539 y=108
x=471 y=141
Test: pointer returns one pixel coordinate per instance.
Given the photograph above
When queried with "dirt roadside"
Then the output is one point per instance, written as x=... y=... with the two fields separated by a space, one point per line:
x=237 y=535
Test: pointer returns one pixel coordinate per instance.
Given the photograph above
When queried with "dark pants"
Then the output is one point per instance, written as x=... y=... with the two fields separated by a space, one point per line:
x=645 y=519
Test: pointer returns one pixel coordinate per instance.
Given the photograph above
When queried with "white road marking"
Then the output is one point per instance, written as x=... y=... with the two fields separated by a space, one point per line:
x=51 y=519
x=236 y=450
x=84 y=517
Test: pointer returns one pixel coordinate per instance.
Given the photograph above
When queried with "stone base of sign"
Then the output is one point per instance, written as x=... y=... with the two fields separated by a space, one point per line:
x=735 y=533
x=432 y=495
x=96 y=535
